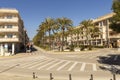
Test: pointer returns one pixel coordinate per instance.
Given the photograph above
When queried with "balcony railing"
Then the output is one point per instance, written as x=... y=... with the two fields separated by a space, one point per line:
x=9 y=30
x=9 y=40
x=9 y=20
x=114 y=36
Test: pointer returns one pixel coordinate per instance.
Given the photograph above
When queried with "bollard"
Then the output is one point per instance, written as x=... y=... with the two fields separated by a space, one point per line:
x=114 y=77
x=33 y=75
x=51 y=77
x=91 y=77
x=70 y=77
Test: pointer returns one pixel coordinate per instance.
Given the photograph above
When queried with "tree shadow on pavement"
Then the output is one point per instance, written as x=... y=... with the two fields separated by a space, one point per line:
x=110 y=63
x=9 y=68
x=34 y=49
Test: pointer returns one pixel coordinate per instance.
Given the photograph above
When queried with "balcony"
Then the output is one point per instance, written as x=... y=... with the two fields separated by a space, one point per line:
x=9 y=20
x=9 y=40
x=114 y=36
x=9 y=30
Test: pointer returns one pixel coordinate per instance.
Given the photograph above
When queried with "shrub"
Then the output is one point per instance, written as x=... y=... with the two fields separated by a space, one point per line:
x=71 y=47
x=98 y=46
x=82 y=47
x=90 y=47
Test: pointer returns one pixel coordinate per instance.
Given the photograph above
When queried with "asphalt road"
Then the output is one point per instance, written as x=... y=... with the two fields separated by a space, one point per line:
x=79 y=64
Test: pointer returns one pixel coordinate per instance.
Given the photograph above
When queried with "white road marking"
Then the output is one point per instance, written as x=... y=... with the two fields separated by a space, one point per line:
x=29 y=62
x=63 y=66
x=39 y=64
x=94 y=67
x=21 y=63
x=54 y=65
x=32 y=63
x=47 y=64
x=72 y=66
x=83 y=67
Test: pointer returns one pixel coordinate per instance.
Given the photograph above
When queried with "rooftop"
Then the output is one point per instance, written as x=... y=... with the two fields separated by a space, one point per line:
x=10 y=10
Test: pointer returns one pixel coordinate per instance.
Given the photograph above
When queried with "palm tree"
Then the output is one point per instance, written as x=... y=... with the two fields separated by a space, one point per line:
x=64 y=24
x=87 y=26
x=70 y=33
x=95 y=33
x=77 y=31
x=49 y=22
x=42 y=30
x=66 y=35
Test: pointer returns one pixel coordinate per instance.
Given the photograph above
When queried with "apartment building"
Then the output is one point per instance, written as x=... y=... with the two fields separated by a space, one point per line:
x=107 y=36
x=13 y=35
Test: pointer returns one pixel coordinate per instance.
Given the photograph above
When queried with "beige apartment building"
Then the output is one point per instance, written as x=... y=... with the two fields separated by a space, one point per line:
x=107 y=36
x=13 y=35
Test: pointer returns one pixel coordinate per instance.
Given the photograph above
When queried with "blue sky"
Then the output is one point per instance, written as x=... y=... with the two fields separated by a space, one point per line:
x=33 y=12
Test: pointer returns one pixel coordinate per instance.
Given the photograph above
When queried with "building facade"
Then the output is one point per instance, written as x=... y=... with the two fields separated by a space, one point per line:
x=13 y=36
x=107 y=37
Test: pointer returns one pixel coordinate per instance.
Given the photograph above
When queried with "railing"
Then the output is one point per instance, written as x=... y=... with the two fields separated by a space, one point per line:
x=9 y=30
x=9 y=20
x=9 y=39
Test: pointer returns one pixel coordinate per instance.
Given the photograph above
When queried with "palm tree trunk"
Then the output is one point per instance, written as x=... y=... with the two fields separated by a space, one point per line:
x=49 y=41
x=95 y=41
x=77 y=40
x=62 y=40
x=87 y=40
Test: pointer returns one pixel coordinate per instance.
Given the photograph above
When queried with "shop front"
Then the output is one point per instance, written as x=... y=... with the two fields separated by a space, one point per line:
x=7 y=49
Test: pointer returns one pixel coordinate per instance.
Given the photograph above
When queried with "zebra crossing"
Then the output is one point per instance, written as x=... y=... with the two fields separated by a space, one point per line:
x=42 y=62
x=48 y=64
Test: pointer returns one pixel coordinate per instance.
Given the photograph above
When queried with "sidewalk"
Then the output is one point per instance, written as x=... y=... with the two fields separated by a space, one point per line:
x=8 y=77
x=18 y=55
x=79 y=52
x=65 y=52
x=15 y=77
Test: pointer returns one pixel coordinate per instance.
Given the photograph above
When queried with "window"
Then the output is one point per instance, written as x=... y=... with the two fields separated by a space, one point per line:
x=101 y=23
x=9 y=16
x=1 y=17
x=1 y=26
x=82 y=37
x=9 y=35
x=9 y=26
x=2 y=35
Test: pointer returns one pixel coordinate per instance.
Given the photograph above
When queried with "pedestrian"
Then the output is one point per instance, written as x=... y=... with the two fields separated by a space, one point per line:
x=31 y=47
x=27 y=47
